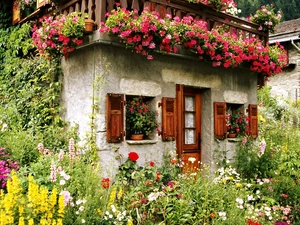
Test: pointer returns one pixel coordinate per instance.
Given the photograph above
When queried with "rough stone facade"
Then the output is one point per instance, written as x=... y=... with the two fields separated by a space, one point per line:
x=132 y=74
x=287 y=83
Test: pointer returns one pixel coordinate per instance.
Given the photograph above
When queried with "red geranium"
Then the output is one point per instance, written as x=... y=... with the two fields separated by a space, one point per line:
x=105 y=182
x=250 y=222
x=133 y=156
x=151 y=163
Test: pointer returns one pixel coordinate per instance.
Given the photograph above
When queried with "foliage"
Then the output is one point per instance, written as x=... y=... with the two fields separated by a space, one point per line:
x=140 y=119
x=58 y=35
x=289 y=11
x=25 y=4
x=148 y=33
x=272 y=160
x=5 y=14
x=266 y=18
x=29 y=97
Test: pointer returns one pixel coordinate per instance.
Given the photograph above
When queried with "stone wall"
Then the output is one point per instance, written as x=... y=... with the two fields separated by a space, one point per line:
x=287 y=83
x=132 y=74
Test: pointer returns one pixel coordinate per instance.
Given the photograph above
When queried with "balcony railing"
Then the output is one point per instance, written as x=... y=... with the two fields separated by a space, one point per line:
x=96 y=10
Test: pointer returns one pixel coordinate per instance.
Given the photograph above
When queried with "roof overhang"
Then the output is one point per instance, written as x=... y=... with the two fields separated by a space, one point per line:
x=284 y=37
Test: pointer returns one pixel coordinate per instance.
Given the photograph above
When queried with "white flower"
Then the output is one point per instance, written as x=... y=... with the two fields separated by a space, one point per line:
x=62 y=182
x=82 y=221
x=113 y=208
x=81 y=208
x=240 y=201
x=250 y=198
x=223 y=215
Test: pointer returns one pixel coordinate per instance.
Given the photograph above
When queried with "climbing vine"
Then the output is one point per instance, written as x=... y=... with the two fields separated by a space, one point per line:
x=29 y=94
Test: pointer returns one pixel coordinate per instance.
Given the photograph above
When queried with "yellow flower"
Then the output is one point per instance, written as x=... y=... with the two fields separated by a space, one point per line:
x=21 y=221
x=112 y=197
x=239 y=185
x=129 y=222
x=120 y=193
x=30 y=221
x=99 y=212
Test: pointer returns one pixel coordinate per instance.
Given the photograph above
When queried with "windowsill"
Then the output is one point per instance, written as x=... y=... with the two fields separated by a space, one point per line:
x=234 y=139
x=141 y=142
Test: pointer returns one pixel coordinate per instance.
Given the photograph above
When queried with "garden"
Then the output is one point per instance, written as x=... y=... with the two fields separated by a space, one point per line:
x=258 y=186
x=47 y=177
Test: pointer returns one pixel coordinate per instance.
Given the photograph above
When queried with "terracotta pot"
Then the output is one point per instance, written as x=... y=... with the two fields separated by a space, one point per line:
x=89 y=25
x=231 y=135
x=137 y=137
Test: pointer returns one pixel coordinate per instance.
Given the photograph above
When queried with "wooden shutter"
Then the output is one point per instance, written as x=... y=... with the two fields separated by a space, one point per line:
x=220 y=120
x=253 y=121
x=115 y=118
x=168 y=119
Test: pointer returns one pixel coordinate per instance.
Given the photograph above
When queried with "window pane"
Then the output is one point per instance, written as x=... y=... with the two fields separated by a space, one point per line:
x=189 y=103
x=189 y=120
x=189 y=136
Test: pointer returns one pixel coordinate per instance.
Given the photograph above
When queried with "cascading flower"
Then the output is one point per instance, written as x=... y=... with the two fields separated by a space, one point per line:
x=58 y=36
x=148 y=33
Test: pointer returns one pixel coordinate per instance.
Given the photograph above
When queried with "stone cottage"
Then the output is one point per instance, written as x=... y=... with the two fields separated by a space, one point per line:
x=287 y=83
x=190 y=96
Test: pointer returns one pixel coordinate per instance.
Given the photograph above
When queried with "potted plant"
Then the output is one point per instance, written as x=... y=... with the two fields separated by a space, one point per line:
x=140 y=119
x=266 y=18
x=236 y=123
x=58 y=36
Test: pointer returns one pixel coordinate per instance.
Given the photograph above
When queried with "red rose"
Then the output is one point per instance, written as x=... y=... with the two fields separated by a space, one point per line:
x=133 y=156
x=151 y=163
x=105 y=182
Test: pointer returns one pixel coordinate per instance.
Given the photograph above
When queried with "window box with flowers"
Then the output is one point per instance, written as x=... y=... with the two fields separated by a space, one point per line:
x=58 y=36
x=147 y=34
x=230 y=120
x=140 y=119
x=236 y=123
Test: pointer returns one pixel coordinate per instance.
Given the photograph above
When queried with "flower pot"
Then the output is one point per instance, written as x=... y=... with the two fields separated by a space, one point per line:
x=231 y=135
x=137 y=137
x=89 y=25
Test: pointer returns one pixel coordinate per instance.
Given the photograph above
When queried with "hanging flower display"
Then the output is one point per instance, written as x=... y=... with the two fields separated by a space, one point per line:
x=58 y=35
x=266 y=18
x=148 y=33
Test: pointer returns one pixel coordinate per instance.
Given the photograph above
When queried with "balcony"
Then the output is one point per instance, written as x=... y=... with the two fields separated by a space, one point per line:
x=96 y=10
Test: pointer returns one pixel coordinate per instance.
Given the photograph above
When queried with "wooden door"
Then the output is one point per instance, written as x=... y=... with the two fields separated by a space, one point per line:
x=189 y=127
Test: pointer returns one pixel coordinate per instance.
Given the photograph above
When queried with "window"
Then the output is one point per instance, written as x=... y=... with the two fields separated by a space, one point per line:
x=230 y=118
x=137 y=115
x=141 y=117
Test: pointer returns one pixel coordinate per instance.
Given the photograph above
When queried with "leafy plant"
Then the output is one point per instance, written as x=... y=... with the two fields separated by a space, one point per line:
x=140 y=119
x=266 y=18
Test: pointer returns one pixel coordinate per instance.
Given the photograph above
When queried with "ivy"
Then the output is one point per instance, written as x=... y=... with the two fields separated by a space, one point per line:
x=29 y=95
